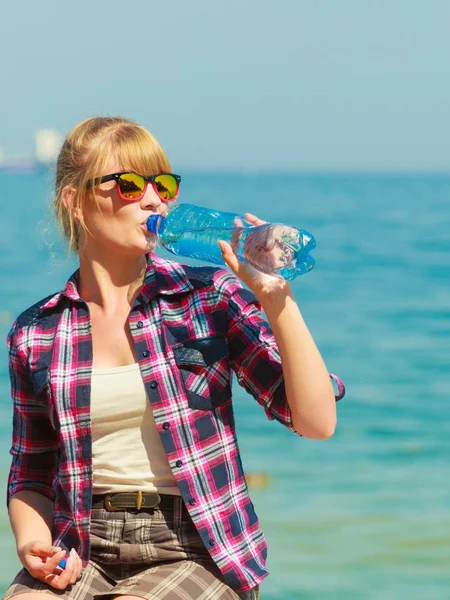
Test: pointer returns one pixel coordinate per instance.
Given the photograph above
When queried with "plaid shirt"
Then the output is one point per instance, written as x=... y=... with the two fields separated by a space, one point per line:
x=191 y=326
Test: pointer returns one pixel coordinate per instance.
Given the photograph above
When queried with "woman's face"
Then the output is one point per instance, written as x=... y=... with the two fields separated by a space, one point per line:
x=116 y=225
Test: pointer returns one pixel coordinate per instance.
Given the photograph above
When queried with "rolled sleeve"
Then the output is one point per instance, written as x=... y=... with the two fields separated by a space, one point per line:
x=34 y=441
x=254 y=354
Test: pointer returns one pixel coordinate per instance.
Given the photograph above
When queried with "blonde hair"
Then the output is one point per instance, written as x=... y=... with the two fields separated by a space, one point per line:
x=84 y=156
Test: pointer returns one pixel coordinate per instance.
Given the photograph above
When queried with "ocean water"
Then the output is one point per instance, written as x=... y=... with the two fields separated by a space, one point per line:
x=366 y=514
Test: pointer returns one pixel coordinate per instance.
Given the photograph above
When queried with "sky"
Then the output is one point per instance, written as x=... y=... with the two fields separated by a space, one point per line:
x=303 y=85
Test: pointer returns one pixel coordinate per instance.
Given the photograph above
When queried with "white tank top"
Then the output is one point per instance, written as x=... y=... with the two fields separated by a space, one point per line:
x=126 y=448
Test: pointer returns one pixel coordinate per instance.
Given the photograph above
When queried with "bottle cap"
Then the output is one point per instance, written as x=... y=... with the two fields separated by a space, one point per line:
x=154 y=222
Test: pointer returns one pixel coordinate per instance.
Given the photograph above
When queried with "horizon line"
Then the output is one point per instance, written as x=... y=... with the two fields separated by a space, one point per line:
x=32 y=167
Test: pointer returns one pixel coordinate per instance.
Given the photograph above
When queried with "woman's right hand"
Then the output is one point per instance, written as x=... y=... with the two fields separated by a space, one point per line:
x=41 y=561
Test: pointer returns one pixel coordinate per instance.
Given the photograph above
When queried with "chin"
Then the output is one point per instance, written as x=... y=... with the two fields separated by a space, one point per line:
x=150 y=246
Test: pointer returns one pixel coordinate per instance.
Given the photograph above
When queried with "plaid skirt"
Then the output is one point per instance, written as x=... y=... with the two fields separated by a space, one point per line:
x=155 y=554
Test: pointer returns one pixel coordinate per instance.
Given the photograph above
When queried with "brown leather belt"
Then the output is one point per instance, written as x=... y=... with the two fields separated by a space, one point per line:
x=133 y=501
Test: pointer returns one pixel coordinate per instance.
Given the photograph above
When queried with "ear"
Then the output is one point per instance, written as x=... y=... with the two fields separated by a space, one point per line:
x=68 y=198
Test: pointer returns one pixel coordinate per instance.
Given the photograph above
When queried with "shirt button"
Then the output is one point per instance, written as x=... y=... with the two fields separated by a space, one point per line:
x=146 y=353
x=192 y=501
x=153 y=385
x=212 y=543
x=140 y=324
x=178 y=463
x=166 y=426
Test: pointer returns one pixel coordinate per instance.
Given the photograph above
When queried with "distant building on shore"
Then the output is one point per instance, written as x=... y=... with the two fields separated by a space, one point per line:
x=47 y=145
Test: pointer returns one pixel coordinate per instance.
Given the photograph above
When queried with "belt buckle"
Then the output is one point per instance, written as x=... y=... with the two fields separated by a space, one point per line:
x=139 y=502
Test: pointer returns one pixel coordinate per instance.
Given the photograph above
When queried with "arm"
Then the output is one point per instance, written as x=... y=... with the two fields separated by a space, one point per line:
x=30 y=503
x=307 y=386
x=34 y=441
x=31 y=518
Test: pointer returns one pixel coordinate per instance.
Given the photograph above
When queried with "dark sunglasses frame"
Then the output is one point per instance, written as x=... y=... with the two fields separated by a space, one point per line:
x=147 y=178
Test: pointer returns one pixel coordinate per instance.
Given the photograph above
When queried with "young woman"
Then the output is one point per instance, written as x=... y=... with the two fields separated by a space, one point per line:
x=124 y=456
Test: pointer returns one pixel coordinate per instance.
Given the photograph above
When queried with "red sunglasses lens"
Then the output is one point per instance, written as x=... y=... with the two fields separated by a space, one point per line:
x=132 y=186
x=166 y=187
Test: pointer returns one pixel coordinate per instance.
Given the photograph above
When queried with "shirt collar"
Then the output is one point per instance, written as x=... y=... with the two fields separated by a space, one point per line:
x=161 y=277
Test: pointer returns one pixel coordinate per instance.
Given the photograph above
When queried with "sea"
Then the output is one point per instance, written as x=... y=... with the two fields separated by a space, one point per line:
x=365 y=514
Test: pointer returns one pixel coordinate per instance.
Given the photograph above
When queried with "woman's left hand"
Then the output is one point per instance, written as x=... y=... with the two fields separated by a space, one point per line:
x=259 y=283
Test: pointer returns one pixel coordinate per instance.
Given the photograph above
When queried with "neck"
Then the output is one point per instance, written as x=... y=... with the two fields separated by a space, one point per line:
x=109 y=282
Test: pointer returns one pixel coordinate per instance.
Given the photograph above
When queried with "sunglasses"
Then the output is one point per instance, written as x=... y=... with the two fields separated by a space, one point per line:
x=132 y=187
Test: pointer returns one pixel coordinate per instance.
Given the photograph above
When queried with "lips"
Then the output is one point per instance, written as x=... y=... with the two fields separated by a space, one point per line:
x=144 y=222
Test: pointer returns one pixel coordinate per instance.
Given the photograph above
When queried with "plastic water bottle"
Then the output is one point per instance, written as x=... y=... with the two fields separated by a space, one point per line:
x=275 y=249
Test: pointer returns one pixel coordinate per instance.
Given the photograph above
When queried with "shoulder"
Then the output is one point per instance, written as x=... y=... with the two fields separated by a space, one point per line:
x=34 y=316
x=175 y=276
x=216 y=277
x=222 y=281
x=31 y=315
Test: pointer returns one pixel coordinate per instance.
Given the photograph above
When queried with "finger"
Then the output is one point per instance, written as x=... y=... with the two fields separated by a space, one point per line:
x=236 y=234
x=253 y=219
x=76 y=569
x=62 y=580
x=79 y=567
x=41 y=550
x=51 y=563
x=229 y=256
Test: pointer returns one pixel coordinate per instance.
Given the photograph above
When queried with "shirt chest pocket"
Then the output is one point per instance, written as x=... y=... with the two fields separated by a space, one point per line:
x=205 y=371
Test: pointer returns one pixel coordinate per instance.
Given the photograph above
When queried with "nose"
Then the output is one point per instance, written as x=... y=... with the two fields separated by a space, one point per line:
x=150 y=200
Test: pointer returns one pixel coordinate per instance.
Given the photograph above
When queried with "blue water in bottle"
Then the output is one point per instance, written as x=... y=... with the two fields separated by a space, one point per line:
x=273 y=248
